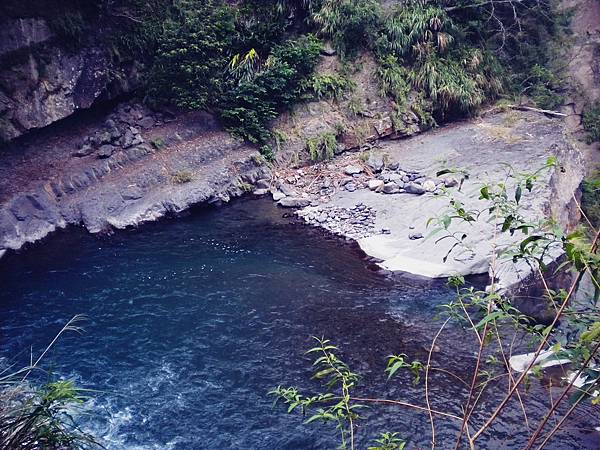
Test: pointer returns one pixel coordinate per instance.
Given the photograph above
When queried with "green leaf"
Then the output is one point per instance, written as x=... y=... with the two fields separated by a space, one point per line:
x=507 y=222
x=394 y=368
x=484 y=193
x=490 y=317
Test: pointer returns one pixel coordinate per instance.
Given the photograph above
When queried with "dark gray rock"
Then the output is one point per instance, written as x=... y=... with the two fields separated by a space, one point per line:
x=146 y=122
x=415 y=236
x=262 y=184
x=376 y=161
x=352 y=169
x=106 y=151
x=132 y=193
x=414 y=188
x=287 y=190
x=391 y=188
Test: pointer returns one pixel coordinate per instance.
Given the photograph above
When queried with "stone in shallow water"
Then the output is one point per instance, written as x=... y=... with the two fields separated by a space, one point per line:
x=277 y=195
x=294 y=202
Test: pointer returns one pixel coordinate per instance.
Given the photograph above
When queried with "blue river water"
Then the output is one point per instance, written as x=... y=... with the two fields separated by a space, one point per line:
x=192 y=321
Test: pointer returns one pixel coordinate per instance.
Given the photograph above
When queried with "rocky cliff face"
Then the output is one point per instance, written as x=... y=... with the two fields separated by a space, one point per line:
x=45 y=76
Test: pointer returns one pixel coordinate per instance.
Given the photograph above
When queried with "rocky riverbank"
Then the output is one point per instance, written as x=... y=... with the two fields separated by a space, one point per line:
x=385 y=197
x=125 y=168
x=134 y=165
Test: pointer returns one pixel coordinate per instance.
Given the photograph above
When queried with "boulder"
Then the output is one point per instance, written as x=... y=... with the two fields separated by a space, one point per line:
x=376 y=161
x=450 y=182
x=278 y=195
x=262 y=184
x=384 y=126
x=146 y=123
x=260 y=191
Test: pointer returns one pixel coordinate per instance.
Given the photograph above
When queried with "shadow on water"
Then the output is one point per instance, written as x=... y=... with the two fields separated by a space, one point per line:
x=192 y=321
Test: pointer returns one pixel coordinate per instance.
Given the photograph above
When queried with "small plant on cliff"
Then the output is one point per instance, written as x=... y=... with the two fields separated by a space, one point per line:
x=182 y=177
x=350 y=24
x=591 y=122
x=322 y=146
x=329 y=85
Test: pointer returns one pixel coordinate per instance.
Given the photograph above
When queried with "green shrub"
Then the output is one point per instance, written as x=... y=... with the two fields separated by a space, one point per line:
x=329 y=85
x=350 y=24
x=322 y=146
x=415 y=30
x=591 y=122
x=70 y=27
x=248 y=107
x=192 y=55
x=42 y=417
x=590 y=199
x=158 y=143
x=543 y=86
x=393 y=79
x=182 y=177
x=356 y=106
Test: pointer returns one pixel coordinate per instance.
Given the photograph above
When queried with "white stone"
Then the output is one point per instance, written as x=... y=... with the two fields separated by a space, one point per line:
x=429 y=185
x=352 y=169
x=375 y=184
x=278 y=195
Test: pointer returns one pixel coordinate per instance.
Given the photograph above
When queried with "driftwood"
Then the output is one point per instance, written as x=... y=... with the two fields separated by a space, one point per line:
x=542 y=111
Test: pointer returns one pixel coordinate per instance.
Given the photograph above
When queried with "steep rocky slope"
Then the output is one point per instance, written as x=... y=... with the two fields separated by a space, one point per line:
x=50 y=67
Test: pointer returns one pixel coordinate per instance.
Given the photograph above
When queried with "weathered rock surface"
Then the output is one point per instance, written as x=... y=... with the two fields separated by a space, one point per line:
x=42 y=80
x=523 y=140
x=43 y=187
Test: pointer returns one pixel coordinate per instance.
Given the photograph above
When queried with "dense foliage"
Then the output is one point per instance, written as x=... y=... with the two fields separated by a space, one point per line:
x=249 y=60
